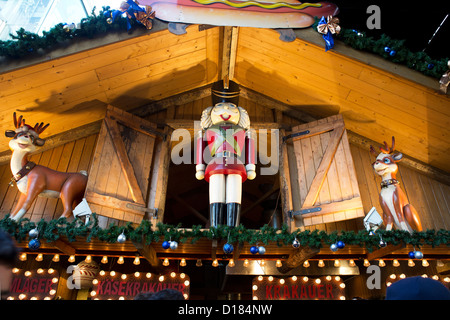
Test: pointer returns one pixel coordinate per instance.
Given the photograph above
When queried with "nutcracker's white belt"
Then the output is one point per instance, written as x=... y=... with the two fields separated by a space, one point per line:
x=224 y=154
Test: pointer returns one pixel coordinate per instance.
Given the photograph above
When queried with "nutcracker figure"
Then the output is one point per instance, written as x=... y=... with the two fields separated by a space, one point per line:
x=225 y=154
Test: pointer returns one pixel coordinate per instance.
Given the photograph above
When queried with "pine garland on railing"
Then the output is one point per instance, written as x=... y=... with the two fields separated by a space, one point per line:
x=393 y=50
x=54 y=229
x=25 y=43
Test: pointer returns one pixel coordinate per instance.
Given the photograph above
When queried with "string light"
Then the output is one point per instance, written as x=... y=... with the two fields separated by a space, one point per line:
x=165 y=262
x=199 y=263
x=411 y=263
x=231 y=263
x=88 y=259
x=351 y=263
x=104 y=259
x=321 y=264
x=23 y=257
x=395 y=263
x=71 y=258
x=39 y=257
x=120 y=260
x=337 y=263
x=278 y=264
x=137 y=261
x=183 y=262
x=246 y=263
x=55 y=258
x=425 y=263
x=366 y=263
x=306 y=264
x=381 y=263
x=215 y=263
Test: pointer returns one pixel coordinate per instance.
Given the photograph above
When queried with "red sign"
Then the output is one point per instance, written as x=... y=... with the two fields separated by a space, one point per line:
x=298 y=288
x=113 y=285
x=33 y=285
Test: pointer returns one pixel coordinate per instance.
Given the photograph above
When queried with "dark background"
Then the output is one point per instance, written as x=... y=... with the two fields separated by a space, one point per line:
x=414 y=21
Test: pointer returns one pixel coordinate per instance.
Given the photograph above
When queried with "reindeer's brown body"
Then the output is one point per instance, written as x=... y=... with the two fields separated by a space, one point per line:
x=396 y=208
x=41 y=180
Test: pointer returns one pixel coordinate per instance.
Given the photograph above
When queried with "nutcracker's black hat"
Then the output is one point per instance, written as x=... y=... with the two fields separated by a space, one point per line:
x=225 y=91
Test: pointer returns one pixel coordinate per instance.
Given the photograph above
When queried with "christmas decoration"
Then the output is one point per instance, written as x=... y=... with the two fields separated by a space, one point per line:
x=396 y=208
x=340 y=244
x=121 y=238
x=166 y=245
x=327 y=28
x=418 y=255
x=254 y=250
x=228 y=248
x=296 y=243
x=382 y=243
x=34 y=244
x=74 y=231
x=34 y=233
x=261 y=250
x=173 y=245
x=33 y=180
x=226 y=135
x=445 y=80
x=334 y=247
x=133 y=13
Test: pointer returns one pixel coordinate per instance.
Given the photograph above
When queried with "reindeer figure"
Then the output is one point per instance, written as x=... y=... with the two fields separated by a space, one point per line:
x=33 y=180
x=396 y=208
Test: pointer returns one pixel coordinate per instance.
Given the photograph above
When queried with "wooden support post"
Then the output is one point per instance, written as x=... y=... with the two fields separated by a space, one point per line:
x=148 y=253
x=384 y=251
x=297 y=257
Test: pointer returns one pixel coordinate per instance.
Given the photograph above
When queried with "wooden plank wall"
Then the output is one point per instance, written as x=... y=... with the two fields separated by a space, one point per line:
x=70 y=157
x=375 y=104
x=430 y=197
x=74 y=90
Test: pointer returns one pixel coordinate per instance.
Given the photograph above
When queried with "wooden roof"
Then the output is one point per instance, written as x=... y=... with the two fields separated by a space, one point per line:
x=73 y=90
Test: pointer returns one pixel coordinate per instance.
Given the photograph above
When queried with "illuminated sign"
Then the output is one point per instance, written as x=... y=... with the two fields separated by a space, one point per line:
x=298 y=288
x=115 y=286
x=40 y=284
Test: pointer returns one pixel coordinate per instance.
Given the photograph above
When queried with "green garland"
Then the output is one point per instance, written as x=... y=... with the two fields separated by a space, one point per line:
x=26 y=43
x=393 y=50
x=54 y=229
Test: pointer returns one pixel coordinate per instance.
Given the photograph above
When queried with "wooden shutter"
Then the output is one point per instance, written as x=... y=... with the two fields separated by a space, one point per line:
x=126 y=175
x=322 y=176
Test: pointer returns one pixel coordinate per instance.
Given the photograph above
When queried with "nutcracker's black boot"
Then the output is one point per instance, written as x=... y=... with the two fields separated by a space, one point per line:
x=216 y=213
x=233 y=214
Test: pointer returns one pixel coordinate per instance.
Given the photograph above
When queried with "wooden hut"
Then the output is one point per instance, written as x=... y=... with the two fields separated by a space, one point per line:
x=113 y=104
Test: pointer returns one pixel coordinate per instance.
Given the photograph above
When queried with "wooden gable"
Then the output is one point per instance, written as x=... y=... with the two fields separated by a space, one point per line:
x=126 y=174
x=322 y=175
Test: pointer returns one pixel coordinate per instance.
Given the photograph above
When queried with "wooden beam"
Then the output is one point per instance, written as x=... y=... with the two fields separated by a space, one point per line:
x=265 y=101
x=297 y=257
x=64 y=247
x=407 y=160
x=60 y=139
x=384 y=251
x=148 y=252
x=127 y=168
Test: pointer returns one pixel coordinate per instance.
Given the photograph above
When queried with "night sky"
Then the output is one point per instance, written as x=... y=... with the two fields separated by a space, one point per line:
x=410 y=20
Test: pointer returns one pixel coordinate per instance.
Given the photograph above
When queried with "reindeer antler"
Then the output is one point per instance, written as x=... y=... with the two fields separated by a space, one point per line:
x=372 y=151
x=386 y=148
x=39 y=127
x=18 y=122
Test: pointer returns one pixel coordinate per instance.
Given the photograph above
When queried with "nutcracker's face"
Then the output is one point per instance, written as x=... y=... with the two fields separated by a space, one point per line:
x=225 y=112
